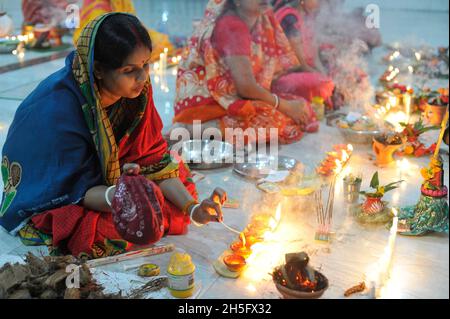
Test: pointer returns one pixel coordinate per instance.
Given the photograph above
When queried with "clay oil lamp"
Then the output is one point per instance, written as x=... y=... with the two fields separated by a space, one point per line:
x=234 y=263
x=240 y=247
x=250 y=240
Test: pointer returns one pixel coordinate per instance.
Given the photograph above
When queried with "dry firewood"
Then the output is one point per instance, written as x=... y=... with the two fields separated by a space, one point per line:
x=20 y=294
x=12 y=275
x=48 y=294
x=37 y=266
x=56 y=281
x=85 y=275
x=72 y=293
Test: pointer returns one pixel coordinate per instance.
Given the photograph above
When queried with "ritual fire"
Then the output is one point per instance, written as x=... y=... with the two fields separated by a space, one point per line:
x=296 y=279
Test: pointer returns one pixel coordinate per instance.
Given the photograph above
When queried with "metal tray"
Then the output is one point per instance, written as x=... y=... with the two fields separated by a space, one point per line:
x=260 y=166
x=205 y=154
x=358 y=137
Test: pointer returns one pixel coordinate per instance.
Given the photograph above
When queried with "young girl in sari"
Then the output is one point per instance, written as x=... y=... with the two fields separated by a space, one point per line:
x=234 y=74
x=71 y=136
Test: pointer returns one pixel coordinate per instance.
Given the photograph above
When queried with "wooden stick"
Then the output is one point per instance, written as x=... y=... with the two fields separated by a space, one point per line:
x=151 y=251
x=441 y=135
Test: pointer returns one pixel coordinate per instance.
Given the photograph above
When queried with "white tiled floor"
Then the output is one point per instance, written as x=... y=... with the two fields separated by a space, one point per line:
x=421 y=268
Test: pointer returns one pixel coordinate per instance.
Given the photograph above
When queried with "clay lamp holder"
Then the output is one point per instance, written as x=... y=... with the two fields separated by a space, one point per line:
x=239 y=249
x=234 y=263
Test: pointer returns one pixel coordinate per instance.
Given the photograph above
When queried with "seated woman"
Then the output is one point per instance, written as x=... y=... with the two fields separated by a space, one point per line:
x=47 y=20
x=94 y=8
x=351 y=24
x=48 y=12
x=298 y=20
x=229 y=76
x=71 y=136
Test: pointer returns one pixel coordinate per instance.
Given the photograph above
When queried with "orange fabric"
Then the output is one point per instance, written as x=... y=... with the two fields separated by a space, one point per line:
x=265 y=117
x=202 y=113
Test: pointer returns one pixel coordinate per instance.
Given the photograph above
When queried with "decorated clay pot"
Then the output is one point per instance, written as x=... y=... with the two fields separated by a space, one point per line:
x=384 y=153
x=373 y=205
x=434 y=114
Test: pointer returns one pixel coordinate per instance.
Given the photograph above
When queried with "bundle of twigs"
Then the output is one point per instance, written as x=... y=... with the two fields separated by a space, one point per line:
x=153 y=285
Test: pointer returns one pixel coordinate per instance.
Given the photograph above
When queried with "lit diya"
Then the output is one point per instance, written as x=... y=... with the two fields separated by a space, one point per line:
x=234 y=262
x=240 y=247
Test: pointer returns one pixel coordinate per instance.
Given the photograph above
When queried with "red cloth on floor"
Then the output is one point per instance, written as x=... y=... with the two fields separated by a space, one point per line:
x=78 y=229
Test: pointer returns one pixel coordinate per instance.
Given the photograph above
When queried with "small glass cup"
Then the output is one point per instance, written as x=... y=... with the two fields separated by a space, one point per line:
x=352 y=187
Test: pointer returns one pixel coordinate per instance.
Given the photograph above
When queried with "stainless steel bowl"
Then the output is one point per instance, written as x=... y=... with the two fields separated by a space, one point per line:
x=359 y=137
x=260 y=165
x=205 y=154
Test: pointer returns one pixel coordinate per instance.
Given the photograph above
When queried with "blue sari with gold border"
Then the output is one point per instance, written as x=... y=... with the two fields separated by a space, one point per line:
x=49 y=158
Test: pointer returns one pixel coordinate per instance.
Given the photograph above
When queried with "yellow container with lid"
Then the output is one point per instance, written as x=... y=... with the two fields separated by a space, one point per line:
x=180 y=273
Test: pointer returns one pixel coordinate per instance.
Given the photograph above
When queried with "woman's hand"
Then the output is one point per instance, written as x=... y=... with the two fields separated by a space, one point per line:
x=131 y=169
x=210 y=210
x=297 y=110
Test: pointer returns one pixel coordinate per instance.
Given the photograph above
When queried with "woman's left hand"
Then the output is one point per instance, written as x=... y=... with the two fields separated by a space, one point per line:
x=210 y=210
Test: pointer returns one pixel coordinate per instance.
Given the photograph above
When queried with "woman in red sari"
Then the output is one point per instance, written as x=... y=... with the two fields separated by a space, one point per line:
x=94 y=116
x=299 y=20
x=229 y=76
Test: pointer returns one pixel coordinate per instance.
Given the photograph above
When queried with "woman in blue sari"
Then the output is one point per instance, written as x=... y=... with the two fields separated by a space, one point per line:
x=72 y=136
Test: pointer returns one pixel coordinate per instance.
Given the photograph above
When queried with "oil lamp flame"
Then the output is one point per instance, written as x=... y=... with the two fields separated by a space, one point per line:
x=244 y=242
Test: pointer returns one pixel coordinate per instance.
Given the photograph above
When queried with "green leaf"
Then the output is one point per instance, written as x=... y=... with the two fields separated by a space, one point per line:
x=389 y=188
x=394 y=183
x=375 y=182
